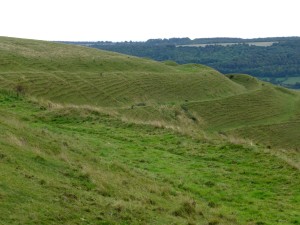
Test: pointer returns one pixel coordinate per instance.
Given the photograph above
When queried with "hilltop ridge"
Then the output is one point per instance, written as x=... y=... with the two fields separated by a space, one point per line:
x=75 y=74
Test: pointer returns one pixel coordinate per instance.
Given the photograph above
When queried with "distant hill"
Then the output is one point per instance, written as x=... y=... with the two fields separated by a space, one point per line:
x=272 y=59
x=95 y=137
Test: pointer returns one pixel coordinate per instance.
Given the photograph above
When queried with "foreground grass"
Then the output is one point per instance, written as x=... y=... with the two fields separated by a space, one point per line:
x=79 y=166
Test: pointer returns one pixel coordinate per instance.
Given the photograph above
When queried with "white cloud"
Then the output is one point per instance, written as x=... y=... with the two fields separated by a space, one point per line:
x=141 y=20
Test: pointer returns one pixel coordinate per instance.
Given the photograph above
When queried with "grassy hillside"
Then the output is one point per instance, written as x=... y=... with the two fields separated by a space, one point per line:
x=185 y=97
x=265 y=114
x=264 y=106
x=92 y=137
x=80 y=75
x=283 y=133
x=75 y=165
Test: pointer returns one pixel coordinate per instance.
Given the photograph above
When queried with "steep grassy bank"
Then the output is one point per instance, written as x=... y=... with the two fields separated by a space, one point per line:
x=79 y=166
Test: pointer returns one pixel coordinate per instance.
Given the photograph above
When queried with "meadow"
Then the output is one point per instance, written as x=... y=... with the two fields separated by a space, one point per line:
x=81 y=166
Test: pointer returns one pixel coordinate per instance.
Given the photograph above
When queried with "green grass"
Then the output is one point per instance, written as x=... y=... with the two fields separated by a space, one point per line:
x=80 y=75
x=283 y=134
x=79 y=166
x=189 y=98
x=265 y=114
x=264 y=106
x=249 y=82
x=94 y=137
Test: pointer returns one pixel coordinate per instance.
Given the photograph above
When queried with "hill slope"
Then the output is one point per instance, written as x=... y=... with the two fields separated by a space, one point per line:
x=76 y=165
x=172 y=95
x=80 y=75
x=69 y=152
x=272 y=59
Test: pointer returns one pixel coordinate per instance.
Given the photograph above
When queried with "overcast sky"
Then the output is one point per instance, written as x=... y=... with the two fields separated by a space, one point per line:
x=138 y=20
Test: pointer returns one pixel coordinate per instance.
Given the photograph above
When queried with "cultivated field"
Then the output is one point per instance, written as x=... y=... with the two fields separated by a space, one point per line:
x=261 y=44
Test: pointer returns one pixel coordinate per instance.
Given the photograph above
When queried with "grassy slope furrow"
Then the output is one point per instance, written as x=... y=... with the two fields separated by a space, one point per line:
x=282 y=134
x=60 y=61
x=261 y=106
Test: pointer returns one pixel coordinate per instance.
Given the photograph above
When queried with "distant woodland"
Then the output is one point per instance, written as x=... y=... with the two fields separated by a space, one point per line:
x=273 y=59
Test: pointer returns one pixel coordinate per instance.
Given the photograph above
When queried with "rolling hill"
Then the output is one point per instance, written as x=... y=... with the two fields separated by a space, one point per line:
x=82 y=75
x=145 y=90
x=95 y=137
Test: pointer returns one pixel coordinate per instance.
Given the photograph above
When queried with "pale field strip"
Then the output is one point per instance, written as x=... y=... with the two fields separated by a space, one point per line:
x=260 y=44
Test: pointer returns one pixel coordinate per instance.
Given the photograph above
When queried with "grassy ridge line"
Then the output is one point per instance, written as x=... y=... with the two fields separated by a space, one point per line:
x=81 y=75
x=249 y=82
x=32 y=55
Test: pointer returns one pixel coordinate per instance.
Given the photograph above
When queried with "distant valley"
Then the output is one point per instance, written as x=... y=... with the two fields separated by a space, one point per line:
x=276 y=60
